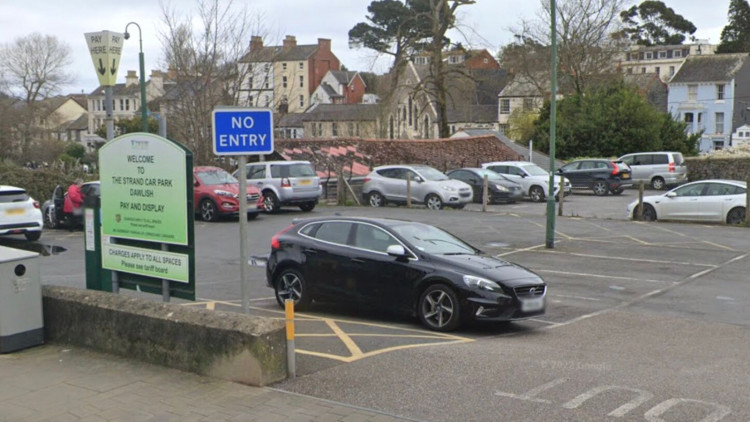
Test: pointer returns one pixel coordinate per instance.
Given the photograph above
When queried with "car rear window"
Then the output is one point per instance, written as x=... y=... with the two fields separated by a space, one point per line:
x=678 y=159
x=292 y=170
x=15 y=195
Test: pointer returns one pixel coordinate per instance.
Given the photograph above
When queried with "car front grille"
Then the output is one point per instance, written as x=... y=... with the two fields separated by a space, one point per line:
x=530 y=291
x=465 y=194
x=252 y=197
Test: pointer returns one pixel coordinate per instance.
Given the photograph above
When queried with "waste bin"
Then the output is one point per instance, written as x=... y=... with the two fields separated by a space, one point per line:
x=21 y=322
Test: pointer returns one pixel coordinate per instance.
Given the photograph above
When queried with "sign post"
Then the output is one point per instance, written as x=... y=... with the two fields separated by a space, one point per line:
x=241 y=132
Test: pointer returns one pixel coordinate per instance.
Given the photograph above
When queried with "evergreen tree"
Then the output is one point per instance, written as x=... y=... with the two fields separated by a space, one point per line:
x=735 y=37
x=653 y=23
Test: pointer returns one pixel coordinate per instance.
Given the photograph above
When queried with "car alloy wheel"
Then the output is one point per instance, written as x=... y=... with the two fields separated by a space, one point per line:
x=50 y=218
x=271 y=202
x=536 y=194
x=600 y=188
x=434 y=202
x=649 y=213
x=291 y=285
x=657 y=183
x=736 y=216
x=307 y=206
x=375 y=199
x=209 y=211
x=439 y=309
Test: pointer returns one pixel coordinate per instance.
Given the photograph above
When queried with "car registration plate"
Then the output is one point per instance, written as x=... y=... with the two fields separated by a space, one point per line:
x=626 y=176
x=304 y=182
x=14 y=211
x=530 y=305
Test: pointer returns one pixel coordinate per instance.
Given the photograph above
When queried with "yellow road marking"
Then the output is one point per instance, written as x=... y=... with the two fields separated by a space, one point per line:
x=376 y=352
x=348 y=342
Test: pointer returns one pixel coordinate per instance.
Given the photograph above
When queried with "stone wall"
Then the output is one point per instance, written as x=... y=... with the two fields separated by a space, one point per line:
x=735 y=168
x=226 y=345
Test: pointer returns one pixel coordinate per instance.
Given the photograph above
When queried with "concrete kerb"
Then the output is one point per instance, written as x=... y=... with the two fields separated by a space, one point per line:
x=227 y=345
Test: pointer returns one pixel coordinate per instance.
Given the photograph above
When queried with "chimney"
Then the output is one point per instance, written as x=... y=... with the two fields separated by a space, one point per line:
x=289 y=43
x=324 y=44
x=172 y=73
x=131 y=78
x=157 y=81
x=256 y=43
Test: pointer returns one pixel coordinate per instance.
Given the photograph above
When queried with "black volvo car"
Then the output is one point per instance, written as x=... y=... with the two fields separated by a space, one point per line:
x=401 y=266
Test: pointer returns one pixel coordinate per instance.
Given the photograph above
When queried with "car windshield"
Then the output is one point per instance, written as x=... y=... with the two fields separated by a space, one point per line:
x=432 y=240
x=535 y=170
x=216 y=177
x=430 y=173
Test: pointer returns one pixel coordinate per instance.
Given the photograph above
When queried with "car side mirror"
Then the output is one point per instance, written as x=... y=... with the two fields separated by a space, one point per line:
x=559 y=171
x=396 y=250
x=670 y=195
x=195 y=183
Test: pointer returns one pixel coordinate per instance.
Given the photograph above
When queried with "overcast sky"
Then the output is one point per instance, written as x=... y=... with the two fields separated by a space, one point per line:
x=486 y=24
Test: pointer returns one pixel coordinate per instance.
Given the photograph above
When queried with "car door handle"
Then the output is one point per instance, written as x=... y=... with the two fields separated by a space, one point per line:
x=358 y=260
x=311 y=251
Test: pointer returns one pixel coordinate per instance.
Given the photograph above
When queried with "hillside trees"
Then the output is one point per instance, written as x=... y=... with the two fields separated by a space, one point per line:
x=735 y=37
x=610 y=121
x=653 y=23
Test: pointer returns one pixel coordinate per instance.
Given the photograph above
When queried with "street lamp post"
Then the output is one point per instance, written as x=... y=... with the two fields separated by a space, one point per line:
x=144 y=108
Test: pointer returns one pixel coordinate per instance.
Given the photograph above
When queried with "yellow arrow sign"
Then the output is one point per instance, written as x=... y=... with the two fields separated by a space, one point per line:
x=106 y=49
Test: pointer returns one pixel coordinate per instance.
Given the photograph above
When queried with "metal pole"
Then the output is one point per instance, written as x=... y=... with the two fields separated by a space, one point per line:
x=485 y=196
x=243 y=232
x=561 y=195
x=290 y=348
x=550 y=235
x=141 y=61
x=408 y=190
x=109 y=119
x=165 y=296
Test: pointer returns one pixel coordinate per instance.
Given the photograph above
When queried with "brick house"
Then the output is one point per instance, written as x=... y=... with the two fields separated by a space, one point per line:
x=339 y=87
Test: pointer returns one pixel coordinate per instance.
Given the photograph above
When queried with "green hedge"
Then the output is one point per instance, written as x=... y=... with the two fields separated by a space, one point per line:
x=38 y=183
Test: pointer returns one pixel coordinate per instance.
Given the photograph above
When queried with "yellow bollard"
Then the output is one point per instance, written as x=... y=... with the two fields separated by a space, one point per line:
x=290 y=362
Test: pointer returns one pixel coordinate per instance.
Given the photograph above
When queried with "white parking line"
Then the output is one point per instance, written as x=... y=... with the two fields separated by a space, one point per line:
x=620 y=258
x=607 y=276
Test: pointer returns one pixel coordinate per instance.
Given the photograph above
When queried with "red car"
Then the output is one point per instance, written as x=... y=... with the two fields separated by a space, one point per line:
x=216 y=194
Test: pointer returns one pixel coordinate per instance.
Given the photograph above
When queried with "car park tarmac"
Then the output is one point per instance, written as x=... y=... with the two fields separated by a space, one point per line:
x=645 y=321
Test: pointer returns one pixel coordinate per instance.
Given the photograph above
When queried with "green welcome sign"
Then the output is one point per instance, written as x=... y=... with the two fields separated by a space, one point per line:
x=144 y=190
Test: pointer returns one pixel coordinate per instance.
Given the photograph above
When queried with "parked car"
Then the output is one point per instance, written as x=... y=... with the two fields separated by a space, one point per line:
x=429 y=186
x=602 y=176
x=660 y=169
x=52 y=209
x=716 y=200
x=533 y=179
x=216 y=194
x=402 y=266
x=19 y=213
x=285 y=183
x=500 y=189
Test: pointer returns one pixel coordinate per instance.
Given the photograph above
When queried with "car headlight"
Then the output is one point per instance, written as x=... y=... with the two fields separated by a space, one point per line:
x=448 y=188
x=224 y=193
x=501 y=188
x=480 y=283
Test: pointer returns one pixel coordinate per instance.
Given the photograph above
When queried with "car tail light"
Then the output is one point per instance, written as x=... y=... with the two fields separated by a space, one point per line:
x=36 y=204
x=275 y=243
x=616 y=169
x=285 y=183
x=367 y=179
x=671 y=167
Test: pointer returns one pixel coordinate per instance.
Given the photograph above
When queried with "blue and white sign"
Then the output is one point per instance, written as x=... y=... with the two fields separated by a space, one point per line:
x=242 y=131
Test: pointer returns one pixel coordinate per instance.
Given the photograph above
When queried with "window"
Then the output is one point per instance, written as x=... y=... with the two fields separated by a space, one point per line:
x=301 y=100
x=662 y=54
x=720 y=92
x=372 y=238
x=719 y=123
x=334 y=232
x=356 y=129
x=630 y=70
x=268 y=101
x=283 y=81
x=688 y=117
x=265 y=82
x=692 y=92
x=283 y=66
x=657 y=70
x=528 y=104
x=485 y=60
x=649 y=55
x=256 y=172
x=350 y=129
x=671 y=70
x=410 y=114
x=677 y=53
x=643 y=70
x=122 y=104
x=505 y=106
x=301 y=65
x=301 y=81
x=127 y=104
x=334 y=129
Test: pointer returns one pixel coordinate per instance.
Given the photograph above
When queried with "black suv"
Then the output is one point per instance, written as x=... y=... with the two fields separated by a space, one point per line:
x=598 y=174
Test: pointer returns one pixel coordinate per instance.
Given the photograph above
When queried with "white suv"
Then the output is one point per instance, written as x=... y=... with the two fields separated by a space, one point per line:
x=19 y=213
x=284 y=183
x=428 y=186
x=533 y=179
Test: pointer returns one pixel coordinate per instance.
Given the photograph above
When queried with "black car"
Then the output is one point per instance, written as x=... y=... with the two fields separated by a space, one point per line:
x=602 y=176
x=500 y=189
x=52 y=209
x=401 y=266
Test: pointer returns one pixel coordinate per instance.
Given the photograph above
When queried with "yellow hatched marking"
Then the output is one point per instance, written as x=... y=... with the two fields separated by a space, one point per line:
x=348 y=342
x=348 y=359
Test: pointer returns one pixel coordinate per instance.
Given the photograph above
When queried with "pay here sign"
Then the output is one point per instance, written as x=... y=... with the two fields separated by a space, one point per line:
x=242 y=131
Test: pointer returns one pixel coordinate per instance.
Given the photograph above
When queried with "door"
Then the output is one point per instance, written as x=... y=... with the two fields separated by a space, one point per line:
x=574 y=174
x=717 y=198
x=326 y=260
x=256 y=174
x=472 y=180
x=684 y=204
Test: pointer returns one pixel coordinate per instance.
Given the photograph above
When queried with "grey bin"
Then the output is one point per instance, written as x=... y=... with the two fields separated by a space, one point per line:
x=21 y=322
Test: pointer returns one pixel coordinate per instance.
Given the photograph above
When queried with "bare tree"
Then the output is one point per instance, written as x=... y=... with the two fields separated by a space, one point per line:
x=33 y=68
x=204 y=52
x=587 y=46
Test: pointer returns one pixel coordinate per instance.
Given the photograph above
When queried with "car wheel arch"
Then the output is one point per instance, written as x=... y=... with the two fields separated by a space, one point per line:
x=426 y=284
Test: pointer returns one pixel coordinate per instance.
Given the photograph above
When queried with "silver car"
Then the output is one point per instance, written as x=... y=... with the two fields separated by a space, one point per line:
x=660 y=169
x=285 y=183
x=388 y=184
